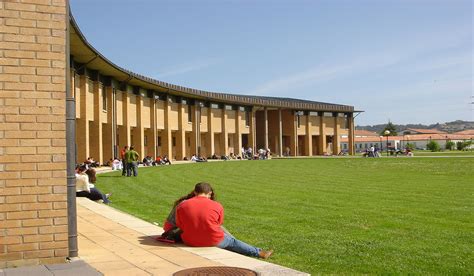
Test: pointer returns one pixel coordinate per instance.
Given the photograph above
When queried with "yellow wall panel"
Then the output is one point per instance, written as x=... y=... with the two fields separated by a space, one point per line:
x=329 y=125
x=174 y=116
x=315 y=124
x=146 y=113
x=230 y=120
x=132 y=111
x=217 y=119
x=160 y=115
x=118 y=99
x=204 y=119
x=90 y=99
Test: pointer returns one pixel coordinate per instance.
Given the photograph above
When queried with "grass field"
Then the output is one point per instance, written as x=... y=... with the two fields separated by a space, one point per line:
x=334 y=215
x=443 y=153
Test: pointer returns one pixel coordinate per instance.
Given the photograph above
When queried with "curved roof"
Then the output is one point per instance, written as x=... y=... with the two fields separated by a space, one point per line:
x=83 y=52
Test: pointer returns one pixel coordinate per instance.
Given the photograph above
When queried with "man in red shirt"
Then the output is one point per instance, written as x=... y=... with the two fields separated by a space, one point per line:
x=201 y=218
x=124 y=163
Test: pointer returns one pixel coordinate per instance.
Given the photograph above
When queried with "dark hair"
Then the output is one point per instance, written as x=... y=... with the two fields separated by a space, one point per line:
x=131 y=147
x=201 y=187
x=91 y=174
x=81 y=168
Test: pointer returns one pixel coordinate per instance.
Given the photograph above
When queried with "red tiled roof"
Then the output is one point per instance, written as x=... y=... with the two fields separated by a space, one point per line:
x=412 y=137
x=363 y=132
x=465 y=132
x=426 y=131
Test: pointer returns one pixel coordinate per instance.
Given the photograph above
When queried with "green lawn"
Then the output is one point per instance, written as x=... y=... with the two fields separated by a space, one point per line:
x=334 y=215
x=443 y=153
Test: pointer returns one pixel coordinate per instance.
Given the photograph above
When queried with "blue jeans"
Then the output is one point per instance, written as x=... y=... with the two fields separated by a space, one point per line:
x=232 y=244
x=132 y=167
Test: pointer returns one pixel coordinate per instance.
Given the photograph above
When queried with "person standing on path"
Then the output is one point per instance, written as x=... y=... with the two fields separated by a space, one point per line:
x=124 y=162
x=132 y=157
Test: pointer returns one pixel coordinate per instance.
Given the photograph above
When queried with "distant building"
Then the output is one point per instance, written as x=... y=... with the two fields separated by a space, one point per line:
x=399 y=142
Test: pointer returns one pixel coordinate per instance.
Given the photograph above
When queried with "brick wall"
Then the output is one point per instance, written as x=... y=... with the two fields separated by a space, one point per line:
x=33 y=214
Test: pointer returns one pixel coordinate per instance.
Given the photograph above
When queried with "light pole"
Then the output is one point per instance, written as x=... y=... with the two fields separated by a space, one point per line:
x=387 y=132
x=381 y=146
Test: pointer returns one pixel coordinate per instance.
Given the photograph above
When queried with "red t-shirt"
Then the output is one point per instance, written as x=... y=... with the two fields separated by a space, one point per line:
x=200 y=219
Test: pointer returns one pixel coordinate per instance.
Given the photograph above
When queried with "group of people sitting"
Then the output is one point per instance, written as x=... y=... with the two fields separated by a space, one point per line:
x=148 y=161
x=261 y=154
x=85 y=187
x=197 y=220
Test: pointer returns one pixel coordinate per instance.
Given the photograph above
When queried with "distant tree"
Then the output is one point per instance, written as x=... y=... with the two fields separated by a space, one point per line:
x=410 y=146
x=450 y=145
x=463 y=145
x=433 y=146
x=390 y=127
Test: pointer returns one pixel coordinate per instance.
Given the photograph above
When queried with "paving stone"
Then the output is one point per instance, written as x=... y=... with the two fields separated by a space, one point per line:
x=37 y=270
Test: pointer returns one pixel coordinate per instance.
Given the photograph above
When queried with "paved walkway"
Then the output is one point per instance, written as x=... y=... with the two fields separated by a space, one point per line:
x=116 y=243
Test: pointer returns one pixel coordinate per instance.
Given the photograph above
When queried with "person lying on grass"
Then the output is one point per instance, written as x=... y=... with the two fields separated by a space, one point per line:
x=200 y=219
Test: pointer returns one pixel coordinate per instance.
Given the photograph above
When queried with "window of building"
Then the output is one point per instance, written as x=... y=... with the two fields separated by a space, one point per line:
x=174 y=141
x=298 y=119
x=247 y=118
x=189 y=141
x=159 y=141
x=190 y=114
x=345 y=146
x=145 y=141
x=104 y=99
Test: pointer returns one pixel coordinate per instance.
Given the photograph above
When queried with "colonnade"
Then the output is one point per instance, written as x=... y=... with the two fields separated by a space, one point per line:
x=111 y=114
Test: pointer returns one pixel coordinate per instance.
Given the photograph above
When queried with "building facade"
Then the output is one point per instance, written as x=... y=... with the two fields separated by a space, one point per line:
x=117 y=108
x=61 y=101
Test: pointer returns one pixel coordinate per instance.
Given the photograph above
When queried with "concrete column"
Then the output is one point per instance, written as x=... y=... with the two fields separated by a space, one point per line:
x=224 y=133
x=196 y=132
x=167 y=145
x=309 y=136
x=266 y=127
x=280 y=134
x=350 y=139
x=253 y=130
x=181 y=136
x=238 y=132
x=210 y=132
x=125 y=132
x=139 y=131
x=82 y=124
x=153 y=130
x=108 y=140
x=322 y=134
x=96 y=147
x=336 y=147
x=294 y=137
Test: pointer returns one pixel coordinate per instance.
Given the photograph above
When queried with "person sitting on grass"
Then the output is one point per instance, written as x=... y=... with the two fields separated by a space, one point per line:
x=84 y=187
x=165 y=160
x=200 y=219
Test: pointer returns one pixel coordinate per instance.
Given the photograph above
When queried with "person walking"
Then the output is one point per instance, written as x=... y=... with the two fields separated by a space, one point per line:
x=201 y=218
x=124 y=162
x=132 y=158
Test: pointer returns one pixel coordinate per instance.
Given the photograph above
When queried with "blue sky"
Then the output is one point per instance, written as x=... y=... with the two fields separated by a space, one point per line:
x=408 y=61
